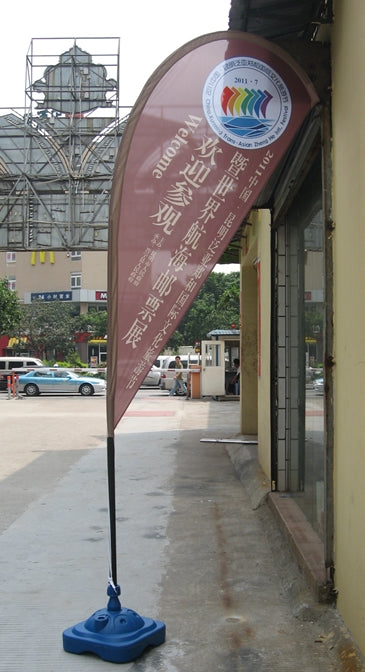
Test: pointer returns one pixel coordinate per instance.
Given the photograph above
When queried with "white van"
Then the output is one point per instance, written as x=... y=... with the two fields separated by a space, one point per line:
x=160 y=360
x=168 y=369
x=9 y=363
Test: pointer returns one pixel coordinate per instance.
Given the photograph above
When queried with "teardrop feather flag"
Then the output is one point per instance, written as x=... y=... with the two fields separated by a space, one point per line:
x=208 y=130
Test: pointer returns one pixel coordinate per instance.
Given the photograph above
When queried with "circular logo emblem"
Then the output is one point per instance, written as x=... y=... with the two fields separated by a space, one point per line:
x=246 y=103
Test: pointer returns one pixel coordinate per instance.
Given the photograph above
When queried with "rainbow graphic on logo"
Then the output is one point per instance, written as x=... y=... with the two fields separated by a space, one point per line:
x=245 y=111
x=246 y=102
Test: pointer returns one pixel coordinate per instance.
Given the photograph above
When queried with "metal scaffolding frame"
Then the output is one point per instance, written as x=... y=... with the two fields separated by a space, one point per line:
x=57 y=154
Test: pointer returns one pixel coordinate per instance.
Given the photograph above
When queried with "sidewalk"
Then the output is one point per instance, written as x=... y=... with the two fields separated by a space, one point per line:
x=198 y=548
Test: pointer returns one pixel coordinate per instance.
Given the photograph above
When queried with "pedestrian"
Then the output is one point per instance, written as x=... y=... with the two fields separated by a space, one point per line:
x=233 y=383
x=178 y=378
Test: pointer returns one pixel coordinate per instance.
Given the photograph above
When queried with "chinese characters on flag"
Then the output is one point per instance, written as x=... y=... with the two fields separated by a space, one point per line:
x=206 y=133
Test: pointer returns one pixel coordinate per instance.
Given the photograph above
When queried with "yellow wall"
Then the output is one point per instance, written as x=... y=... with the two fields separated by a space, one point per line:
x=264 y=425
x=255 y=390
x=348 y=193
x=348 y=104
x=54 y=274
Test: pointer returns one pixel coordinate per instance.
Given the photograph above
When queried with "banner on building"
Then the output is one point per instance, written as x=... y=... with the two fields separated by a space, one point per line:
x=205 y=135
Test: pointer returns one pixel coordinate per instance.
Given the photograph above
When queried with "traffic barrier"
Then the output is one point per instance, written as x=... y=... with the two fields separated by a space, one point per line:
x=8 y=381
x=13 y=385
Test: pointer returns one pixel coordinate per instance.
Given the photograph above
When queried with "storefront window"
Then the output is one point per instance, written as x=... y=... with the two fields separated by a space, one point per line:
x=312 y=500
x=300 y=328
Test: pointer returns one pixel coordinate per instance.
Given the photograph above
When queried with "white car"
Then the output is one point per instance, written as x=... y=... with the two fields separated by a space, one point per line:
x=153 y=378
x=168 y=370
x=318 y=386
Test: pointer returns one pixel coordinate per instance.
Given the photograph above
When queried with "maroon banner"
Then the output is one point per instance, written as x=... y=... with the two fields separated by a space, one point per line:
x=206 y=133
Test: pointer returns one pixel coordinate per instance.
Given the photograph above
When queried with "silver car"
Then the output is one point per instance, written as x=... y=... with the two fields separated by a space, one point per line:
x=59 y=381
x=153 y=378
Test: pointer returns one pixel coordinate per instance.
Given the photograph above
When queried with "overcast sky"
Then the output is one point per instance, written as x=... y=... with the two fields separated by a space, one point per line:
x=149 y=31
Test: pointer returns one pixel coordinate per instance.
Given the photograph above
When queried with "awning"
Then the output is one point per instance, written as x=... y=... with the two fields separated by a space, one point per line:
x=17 y=341
x=223 y=332
x=295 y=26
x=280 y=19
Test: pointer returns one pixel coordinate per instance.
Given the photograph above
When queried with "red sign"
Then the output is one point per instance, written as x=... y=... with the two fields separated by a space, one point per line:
x=205 y=135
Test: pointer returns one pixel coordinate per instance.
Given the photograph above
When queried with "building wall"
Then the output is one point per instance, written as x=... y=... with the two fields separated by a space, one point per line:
x=348 y=194
x=248 y=355
x=52 y=271
x=348 y=57
x=94 y=272
x=255 y=334
x=264 y=321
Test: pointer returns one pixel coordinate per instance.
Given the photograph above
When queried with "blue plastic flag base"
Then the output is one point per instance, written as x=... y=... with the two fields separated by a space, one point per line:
x=115 y=634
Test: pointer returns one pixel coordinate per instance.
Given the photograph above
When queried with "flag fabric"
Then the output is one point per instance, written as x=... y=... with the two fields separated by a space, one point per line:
x=205 y=135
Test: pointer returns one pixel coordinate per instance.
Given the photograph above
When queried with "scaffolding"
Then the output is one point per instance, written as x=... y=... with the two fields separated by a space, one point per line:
x=57 y=154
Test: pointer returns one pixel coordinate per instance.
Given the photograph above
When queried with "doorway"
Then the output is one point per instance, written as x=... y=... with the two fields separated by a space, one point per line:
x=213 y=368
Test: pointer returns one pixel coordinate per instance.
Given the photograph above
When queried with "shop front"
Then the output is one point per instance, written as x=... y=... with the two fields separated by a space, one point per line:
x=299 y=318
x=97 y=352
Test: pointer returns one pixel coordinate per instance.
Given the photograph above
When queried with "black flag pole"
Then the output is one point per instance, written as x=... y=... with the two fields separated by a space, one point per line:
x=115 y=633
x=112 y=509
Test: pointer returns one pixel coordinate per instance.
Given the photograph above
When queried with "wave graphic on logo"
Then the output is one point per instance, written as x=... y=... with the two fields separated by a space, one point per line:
x=245 y=111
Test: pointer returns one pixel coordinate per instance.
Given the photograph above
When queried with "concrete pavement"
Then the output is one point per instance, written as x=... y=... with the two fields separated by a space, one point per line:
x=198 y=546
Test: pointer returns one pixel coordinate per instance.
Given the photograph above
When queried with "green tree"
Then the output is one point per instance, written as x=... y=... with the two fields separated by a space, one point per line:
x=49 y=328
x=10 y=309
x=216 y=306
x=95 y=322
x=313 y=321
x=230 y=299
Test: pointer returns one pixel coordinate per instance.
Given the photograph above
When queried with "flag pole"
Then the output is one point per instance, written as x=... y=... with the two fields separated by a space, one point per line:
x=115 y=633
x=112 y=509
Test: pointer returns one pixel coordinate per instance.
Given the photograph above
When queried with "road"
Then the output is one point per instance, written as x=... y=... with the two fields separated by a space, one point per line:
x=41 y=438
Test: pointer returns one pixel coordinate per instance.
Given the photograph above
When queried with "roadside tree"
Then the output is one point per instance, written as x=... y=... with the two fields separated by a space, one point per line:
x=216 y=306
x=95 y=323
x=10 y=309
x=49 y=329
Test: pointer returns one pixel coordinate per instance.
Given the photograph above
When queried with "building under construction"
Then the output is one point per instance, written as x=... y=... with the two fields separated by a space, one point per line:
x=57 y=154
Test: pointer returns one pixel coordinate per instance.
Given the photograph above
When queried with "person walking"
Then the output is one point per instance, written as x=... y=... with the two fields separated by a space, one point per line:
x=178 y=379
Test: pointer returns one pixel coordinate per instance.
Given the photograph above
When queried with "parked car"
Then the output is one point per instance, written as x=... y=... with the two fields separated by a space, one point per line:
x=153 y=378
x=9 y=364
x=59 y=381
x=318 y=385
x=160 y=360
x=168 y=370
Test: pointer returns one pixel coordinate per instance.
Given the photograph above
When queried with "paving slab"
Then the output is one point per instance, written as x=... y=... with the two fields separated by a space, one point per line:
x=196 y=548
